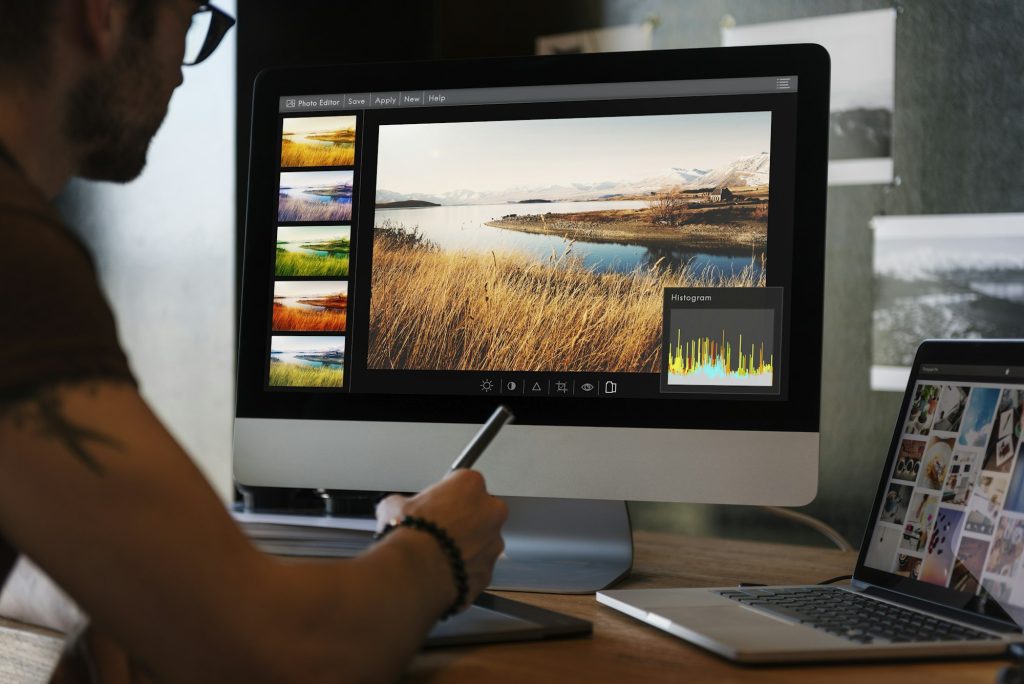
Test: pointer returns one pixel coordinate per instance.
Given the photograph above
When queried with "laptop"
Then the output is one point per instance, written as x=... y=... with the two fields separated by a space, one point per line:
x=940 y=569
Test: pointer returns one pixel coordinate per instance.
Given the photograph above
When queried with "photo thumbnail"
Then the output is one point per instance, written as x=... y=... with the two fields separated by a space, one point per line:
x=922 y=409
x=535 y=232
x=313 y=251
x=310 y=305
x=1006 y=431
x=907 y=566
x=908 y=460
x=318 y=141
x=985 y=504
x=970 y=561
x=309 y=196
x=1007 y=547
x=307 y=361
x=882 y=548
x=920 y=519
x=980 y=408
x=1015 y=494
x=895 y=504
x=935 y=462
x=950 y=409
x=963 y=471
x=942 y=544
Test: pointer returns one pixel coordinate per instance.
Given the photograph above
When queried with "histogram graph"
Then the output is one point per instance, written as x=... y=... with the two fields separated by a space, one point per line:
x=704 y=361
x=728 y=348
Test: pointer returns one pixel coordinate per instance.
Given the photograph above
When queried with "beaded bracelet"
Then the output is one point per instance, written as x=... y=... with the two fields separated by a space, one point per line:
x=450 y=548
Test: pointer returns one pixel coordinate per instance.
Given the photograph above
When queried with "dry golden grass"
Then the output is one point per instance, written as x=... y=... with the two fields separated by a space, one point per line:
x=300 y=209
x=299 y=154
x=287 y=318
x=504 y=311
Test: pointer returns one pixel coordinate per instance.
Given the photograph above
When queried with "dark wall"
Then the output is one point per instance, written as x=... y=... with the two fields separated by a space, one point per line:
x=958 y=145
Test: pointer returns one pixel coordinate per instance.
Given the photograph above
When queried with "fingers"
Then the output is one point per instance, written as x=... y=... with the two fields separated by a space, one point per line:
x=388 y=509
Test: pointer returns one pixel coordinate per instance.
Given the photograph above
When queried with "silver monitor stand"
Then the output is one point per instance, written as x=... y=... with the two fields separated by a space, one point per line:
x=564 y=546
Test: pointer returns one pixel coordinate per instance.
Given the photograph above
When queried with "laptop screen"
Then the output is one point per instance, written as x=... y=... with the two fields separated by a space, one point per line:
x=952 y=508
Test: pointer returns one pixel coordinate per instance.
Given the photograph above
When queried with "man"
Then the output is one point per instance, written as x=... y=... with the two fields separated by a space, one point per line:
x=92 y=487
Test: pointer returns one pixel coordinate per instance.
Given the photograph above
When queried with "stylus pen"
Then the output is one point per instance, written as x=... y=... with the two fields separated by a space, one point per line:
x=482 y=438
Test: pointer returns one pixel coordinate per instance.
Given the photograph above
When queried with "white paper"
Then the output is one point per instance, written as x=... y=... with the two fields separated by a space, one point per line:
x=862 y=47
x=612 y=39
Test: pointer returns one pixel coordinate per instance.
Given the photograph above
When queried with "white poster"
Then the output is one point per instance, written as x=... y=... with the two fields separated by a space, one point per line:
x=862 y=46
x=612 y=39
x=943 y=276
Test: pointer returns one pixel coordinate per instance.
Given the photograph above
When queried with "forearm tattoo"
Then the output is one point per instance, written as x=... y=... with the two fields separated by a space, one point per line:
x=43 y=413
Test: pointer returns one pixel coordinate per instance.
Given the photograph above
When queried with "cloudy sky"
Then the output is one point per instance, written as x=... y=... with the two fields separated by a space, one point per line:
x=498 y=155
x=318 y=124
x=310 y=288
x=312 y=234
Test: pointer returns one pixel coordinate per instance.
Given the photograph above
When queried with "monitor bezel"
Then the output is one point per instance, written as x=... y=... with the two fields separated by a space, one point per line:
x=798 y=412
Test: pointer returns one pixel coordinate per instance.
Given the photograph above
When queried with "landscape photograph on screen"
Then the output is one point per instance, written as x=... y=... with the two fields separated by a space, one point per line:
x=305 y=251
x=308 y=196
x=307 y=361
x=310 y=305
x=318 y=141
x=546 y=244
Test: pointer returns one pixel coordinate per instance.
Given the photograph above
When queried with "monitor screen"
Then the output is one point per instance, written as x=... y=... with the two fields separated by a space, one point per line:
x=602 y=241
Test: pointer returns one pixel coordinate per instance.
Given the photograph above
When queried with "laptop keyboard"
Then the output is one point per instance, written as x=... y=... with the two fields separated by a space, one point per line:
x=852 y=616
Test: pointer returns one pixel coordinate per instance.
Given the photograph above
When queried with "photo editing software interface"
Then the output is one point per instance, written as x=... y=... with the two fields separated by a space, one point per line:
x=596 y=240
x=952 y=513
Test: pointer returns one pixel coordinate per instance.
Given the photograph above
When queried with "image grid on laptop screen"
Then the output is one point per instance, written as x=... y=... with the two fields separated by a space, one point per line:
x=952 y=512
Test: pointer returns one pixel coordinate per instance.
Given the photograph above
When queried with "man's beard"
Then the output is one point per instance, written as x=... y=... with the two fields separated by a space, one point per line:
x=113 y=115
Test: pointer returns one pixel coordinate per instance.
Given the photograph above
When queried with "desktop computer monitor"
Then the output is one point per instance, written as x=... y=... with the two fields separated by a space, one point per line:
x=625 y=249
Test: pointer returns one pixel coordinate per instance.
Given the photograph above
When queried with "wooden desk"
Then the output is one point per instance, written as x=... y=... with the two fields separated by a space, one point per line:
x=621 y=649
x=625 y=650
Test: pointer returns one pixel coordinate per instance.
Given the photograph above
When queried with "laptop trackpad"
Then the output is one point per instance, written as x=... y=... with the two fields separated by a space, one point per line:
x=743 y=627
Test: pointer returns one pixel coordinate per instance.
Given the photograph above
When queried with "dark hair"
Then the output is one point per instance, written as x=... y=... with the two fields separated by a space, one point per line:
x=25 y=33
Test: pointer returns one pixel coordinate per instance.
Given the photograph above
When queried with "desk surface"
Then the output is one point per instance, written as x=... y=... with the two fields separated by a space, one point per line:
x=621 y=649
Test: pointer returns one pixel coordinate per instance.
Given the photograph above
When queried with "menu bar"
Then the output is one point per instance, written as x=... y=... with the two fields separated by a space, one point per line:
x=548 y=93
x=1013 y=373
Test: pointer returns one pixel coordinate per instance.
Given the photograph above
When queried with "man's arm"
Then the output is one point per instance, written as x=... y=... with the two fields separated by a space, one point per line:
x=94 y=489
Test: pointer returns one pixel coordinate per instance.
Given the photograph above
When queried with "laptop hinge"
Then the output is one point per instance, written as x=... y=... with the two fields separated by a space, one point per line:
x=981 y=621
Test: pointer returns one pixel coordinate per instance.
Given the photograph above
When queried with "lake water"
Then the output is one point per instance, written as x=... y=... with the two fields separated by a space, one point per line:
x=298 y=248
x=463 y=228
x=288 y=357
x=294 y=303
x=300 y=193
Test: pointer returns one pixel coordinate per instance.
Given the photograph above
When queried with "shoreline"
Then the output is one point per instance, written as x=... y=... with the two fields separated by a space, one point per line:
x=600 y=227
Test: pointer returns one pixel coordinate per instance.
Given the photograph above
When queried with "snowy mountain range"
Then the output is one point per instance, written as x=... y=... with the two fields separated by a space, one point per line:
x=746 y=171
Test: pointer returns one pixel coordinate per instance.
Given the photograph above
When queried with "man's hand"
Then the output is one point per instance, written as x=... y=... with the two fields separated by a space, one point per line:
x=460 y=505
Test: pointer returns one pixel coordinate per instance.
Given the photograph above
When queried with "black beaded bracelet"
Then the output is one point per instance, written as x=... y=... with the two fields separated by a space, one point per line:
x=450 y=548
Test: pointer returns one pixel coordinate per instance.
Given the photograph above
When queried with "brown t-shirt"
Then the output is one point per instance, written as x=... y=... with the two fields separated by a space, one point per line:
x=56 y=324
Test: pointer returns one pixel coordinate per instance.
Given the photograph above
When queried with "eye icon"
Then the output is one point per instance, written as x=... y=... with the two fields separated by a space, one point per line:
x=587 y=387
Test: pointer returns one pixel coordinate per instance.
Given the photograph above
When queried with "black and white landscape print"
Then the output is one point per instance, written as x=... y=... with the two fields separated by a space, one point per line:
x=957 y=276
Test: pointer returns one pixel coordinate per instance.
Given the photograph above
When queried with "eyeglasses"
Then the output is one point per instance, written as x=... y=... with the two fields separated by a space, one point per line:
x=209 y=26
